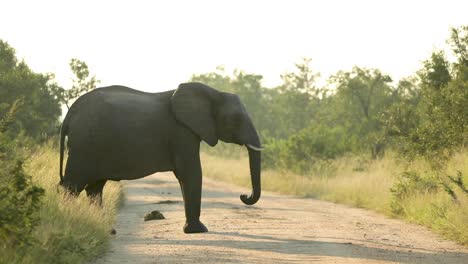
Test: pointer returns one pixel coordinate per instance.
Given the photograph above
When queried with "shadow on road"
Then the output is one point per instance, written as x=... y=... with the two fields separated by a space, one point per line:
x=321 y=248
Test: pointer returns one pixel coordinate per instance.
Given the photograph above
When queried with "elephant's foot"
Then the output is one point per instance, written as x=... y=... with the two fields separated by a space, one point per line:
x=195 y=227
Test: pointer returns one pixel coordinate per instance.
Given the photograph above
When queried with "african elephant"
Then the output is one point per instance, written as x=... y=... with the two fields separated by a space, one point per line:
x=117 y=133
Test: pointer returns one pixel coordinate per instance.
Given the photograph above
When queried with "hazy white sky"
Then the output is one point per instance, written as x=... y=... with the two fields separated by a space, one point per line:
x=155 y=45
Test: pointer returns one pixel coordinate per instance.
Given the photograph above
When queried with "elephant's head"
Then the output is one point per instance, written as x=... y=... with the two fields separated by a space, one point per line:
x=215 y=115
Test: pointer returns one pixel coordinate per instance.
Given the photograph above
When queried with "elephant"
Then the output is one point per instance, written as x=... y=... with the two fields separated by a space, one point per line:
x=118 y=133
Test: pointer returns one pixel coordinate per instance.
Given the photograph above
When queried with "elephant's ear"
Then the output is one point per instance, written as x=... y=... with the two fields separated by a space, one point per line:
x=192 y=104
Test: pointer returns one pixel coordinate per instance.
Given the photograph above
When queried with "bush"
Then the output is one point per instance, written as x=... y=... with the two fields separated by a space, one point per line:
x=20 y=199
x=410 y=183
x=307 y=150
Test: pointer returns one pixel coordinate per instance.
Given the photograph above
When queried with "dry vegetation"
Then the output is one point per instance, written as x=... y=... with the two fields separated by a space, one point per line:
x=357 y=182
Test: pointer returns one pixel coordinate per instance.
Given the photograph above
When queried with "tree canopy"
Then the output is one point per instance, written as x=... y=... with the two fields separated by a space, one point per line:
x=39 y=112
x=362 y=111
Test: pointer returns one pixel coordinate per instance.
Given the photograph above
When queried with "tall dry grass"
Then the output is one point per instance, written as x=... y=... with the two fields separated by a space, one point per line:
x=71 y=230
x=360 y=183
x=348 y=181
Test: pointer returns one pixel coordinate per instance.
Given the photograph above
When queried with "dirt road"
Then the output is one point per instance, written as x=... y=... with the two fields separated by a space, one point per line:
x=277 y=229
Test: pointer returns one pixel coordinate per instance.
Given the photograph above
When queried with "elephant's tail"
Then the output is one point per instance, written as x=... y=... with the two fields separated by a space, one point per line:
x=63 y=134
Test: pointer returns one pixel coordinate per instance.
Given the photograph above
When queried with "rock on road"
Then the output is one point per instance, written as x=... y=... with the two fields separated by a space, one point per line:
x=278 y=229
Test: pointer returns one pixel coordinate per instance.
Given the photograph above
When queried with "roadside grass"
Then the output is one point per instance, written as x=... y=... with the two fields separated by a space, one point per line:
x=350 y=183
x=71 y=230
x=437 y=209
x=365 y=184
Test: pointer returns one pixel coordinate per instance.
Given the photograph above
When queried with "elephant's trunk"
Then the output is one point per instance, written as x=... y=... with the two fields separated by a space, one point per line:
x=255 y=169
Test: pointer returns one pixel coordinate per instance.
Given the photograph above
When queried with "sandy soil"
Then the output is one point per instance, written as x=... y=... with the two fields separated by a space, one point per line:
x=278 y=229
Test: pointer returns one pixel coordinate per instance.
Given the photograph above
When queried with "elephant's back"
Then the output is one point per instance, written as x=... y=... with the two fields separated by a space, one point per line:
x=108 y=115
x=119 y=96
x=118 y=102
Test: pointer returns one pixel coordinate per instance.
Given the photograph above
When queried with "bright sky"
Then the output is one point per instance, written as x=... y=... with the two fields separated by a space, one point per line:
x=155 y=45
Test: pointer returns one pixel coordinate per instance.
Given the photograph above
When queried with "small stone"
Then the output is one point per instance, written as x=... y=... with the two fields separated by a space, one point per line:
x=154 y=215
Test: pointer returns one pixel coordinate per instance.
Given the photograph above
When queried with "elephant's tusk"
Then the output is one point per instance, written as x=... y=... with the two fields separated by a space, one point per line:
x=254 y=148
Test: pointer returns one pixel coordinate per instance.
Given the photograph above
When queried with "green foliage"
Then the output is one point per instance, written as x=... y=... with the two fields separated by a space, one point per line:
x=38 y=116
x=38 y=224
x=63 y=248
x=441 y=114
x=432 y=124
x=308 y=149
x=293 y=105
x=8 y=119
x=20 y=199
x=459 y=42
x=363 y=96
x=68 y=229
x=82 y=83
x=442 y=110
x=302 y=124
x=458 y=180
x=402 y=118
x=278 y=112
x=410 y=183
x=302 y=81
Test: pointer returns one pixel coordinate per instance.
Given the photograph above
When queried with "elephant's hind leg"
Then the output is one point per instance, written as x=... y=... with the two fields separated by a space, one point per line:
x=74 y=188
x=94 y=191
x=76 y=170
x=72 y=184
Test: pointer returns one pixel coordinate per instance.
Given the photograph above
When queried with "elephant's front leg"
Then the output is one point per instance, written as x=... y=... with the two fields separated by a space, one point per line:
x=189 y=174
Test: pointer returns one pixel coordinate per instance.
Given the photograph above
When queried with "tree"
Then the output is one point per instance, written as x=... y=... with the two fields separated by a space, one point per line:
x=303 y=80
x=363 y=96
x=82 y=83
x=442 y=110
x=441 y=119
x=402 y=117
x=38 y=116
x=293 y=105
x=459 y=42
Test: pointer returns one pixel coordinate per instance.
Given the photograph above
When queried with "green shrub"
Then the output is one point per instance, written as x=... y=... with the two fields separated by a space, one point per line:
x=19 y=202
x=410 y=183
x=309 y=149
x=20 y=199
